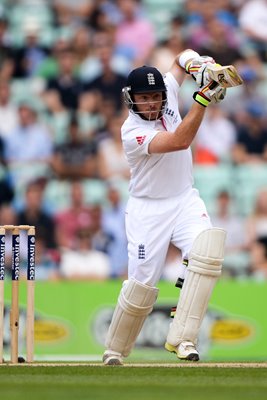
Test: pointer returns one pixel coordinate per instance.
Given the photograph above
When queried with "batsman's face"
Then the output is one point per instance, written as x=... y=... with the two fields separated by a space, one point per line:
x=149 y=104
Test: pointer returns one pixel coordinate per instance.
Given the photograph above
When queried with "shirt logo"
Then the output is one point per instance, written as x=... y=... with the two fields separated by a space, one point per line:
x=141 y=252
x=169 y=112
x=140 y=139
x=151 y=79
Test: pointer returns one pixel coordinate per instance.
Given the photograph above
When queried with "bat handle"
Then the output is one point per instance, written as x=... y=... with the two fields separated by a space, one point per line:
x=213 y=85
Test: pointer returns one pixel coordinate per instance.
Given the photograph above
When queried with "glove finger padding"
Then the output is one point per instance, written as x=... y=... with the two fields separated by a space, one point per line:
x=193 y=67
x=202 y=77
x=219 y=94
x=211 y=92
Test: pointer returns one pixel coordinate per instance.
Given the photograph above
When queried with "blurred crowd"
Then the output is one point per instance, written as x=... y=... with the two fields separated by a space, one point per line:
x=62 y=67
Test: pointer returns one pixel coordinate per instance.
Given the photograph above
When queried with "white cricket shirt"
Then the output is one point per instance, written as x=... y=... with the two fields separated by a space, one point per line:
x=156 y=175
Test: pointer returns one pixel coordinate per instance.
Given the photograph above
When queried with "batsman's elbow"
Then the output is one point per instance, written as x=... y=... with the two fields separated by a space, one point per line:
x=183 y=146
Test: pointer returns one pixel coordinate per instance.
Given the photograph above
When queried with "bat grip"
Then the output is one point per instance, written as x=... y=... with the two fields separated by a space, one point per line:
x=213 y=85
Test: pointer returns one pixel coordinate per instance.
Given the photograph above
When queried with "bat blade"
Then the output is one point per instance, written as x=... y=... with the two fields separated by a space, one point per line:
x=226 y=75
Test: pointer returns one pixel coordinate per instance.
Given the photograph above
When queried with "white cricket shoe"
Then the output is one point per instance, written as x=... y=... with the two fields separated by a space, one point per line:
x=185 y=350
x=111 y=357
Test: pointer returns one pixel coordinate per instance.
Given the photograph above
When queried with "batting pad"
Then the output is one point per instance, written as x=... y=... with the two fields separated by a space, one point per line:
x=135 y=302
x=204 y=268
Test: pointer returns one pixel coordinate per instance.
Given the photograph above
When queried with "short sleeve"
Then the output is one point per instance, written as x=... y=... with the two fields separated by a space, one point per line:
x=137 y=141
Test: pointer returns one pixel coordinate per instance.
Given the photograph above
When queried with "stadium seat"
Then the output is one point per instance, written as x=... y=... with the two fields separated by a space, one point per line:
x=94 y=191
x=248 y=180
x=38 y=13
x=160 y=13
x=57 y=195
x=210 y=180
x=22 y=173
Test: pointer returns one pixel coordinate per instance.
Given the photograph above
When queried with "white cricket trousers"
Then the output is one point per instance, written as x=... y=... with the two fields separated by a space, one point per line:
x=151 y=224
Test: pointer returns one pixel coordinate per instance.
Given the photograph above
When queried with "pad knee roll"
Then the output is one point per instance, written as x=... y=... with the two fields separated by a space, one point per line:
x=206 y=255
x=204 y=268
x=135 y=302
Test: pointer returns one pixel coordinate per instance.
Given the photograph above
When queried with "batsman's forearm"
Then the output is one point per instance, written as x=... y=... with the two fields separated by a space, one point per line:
x=187 y=130
x=183 y=136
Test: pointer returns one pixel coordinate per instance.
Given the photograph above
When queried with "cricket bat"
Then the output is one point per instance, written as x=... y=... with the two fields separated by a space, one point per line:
x=226 y=75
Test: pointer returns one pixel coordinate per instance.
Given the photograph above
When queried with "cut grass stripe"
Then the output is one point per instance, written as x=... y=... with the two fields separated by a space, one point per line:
x=82 y=382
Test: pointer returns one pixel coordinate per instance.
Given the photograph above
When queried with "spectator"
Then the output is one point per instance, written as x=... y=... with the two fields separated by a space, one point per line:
x=8 y=215
x=108 y=110
x=75 y=217
x=33 y=213
x=257 y=221
x=258 y=268
x=165 y=51
x=102 y=238
x=7 y=119
x=72 y=13
x=93 y=65
x=57 y=117
x=113 y=222
x=30 y=141
x=200 y=14
x=8 y=112
x=251 y=143
x=253 y=23
x=29 y=57
x=135 y=36
x=6 y=50
x=27 y=148
x=105 y=16
x=6 y=189
x=49 y=67
x=236 y=261
x=221 y=42
x=91 y=119
x=77 y=158
x=82 y=44
x=252 y=70
x=109 y=83
x=216 y=138
x=66 y=84
x=84 y=262
x=112 y=161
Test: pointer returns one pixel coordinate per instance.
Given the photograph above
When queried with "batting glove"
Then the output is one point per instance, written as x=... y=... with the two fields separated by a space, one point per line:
x=197 y=69
x=210 y=93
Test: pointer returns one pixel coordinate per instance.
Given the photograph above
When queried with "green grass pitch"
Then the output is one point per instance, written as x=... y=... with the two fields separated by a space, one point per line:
x=83 y=382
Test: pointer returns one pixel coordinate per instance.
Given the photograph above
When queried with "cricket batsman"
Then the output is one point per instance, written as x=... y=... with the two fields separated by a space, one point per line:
x=163 y=206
